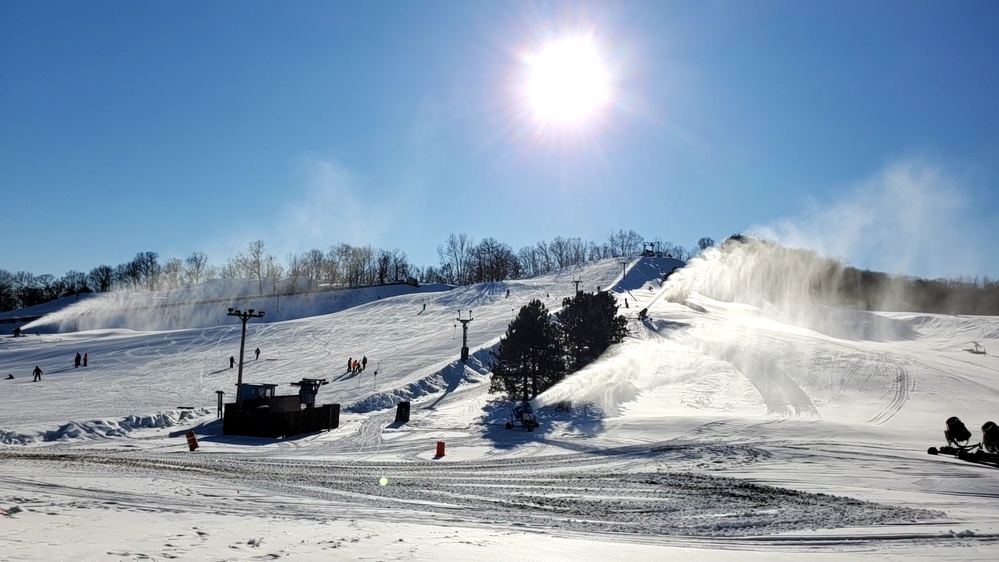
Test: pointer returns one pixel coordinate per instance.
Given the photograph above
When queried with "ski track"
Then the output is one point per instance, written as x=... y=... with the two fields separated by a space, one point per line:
x=624 y=491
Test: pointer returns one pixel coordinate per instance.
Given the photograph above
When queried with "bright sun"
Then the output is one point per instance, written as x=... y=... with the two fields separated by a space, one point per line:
x=567 y=82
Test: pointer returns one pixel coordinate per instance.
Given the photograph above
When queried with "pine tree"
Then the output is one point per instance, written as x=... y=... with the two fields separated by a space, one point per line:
x=530 y=357
x=590 y=324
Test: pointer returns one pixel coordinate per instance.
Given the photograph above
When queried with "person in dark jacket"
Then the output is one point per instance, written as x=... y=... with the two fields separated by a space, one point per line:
x=38 y=374
x=257 y=352
x=364 y=362
x=232 y=361
x=78 y=360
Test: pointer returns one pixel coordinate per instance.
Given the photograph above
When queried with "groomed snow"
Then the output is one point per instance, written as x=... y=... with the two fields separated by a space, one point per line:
x=719 y=430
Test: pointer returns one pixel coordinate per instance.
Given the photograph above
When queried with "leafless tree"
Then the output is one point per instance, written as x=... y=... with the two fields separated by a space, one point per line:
x=454 y=253
x=100 y=278
x=195 y=266
x=383 y=261
x=173 y=272
x=338 y=262
x=624 y=244
x=400 y=265
x=254 y=261
x=296 y=269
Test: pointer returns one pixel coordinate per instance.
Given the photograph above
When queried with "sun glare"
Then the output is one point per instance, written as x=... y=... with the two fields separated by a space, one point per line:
x=567 y=82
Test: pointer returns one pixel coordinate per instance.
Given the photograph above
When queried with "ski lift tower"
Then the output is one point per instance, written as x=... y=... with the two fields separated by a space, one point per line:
x=244 y=316
x=464 y=334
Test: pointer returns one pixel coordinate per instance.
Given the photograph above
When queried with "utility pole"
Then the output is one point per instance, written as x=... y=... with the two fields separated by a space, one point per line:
x=577 y=282
x=244 y=316
x=464 y=334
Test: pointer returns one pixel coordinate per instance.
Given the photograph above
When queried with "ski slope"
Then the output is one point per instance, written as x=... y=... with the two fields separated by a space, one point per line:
x=717 y=430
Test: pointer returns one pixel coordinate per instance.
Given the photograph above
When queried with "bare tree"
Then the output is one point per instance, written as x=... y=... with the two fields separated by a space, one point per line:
x=560 y=250
x=195 y=266
x=400 y=265
x=8 y=297
x=337 y=263
x=624 y=244
x=528 y=259
x=545 y=259
x=296 y=270
x=146 y=269
x=575 y=252
x=100 y=278
x=274 y=271
x=173 y=273
x=383 y=261
x=454 y=252
x=314 y=265
x=254 y=262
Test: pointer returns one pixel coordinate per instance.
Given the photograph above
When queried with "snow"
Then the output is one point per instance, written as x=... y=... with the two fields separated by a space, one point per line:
x=741 y=429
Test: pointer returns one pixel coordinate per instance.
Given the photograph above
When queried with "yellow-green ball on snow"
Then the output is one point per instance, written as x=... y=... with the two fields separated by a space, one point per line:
x=383 y=481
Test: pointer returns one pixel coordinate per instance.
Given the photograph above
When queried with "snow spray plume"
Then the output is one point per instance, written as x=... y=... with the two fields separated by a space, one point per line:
x=792 y=285
x=198 y=306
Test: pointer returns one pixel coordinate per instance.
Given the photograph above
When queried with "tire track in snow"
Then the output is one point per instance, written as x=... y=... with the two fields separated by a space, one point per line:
x=902 y=385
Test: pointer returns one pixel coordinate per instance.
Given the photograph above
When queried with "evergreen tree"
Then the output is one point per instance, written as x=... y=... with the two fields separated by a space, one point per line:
x=530 y=358
x=590 y=324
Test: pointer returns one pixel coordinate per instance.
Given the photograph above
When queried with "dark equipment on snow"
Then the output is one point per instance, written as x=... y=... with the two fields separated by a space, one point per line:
x=402 y=412
x=522 y=416
x=262 y=414
x=990 y=437
x=956 y=432
x=957 y=435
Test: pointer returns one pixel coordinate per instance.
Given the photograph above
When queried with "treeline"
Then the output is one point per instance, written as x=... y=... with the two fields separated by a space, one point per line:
x=462 y=261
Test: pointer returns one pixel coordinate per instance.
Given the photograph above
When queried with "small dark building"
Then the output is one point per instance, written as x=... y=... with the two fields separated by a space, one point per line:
x=259 y=413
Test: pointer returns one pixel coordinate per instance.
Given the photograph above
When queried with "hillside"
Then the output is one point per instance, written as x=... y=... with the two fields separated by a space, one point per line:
x=738 y=425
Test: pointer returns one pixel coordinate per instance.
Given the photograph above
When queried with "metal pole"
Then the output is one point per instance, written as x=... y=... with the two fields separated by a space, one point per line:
x=244 y=316
x=242 y=346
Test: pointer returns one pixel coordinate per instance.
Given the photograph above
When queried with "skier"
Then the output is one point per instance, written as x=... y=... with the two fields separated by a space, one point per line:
x=364 y=362
x=232 y=361
x=350 y=364
x=9 y=376
x=79 y=359
x=86 y=357
x=38 y=374
x=258 y=353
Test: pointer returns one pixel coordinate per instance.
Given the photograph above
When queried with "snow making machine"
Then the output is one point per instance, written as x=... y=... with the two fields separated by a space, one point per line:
x=958 y=443
x=523 y=416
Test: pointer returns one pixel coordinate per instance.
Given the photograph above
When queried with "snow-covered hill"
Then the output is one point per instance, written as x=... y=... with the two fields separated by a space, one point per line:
x=719 y=429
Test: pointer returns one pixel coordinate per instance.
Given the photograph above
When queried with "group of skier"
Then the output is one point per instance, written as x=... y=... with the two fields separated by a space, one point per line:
x=354 y=366
x=81 y=359
x=232 y=358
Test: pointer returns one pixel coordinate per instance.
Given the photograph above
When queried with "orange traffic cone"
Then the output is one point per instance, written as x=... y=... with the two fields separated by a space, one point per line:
x=192 y=441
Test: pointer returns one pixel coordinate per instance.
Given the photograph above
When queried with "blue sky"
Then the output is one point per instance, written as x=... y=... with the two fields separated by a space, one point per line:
x=866 y=130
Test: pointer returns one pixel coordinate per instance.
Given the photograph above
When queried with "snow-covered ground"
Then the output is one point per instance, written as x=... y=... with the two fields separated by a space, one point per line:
x=716 y=431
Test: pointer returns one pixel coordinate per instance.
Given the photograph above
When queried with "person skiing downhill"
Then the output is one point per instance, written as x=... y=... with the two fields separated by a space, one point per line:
x=38 y=374
x=257 y=352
